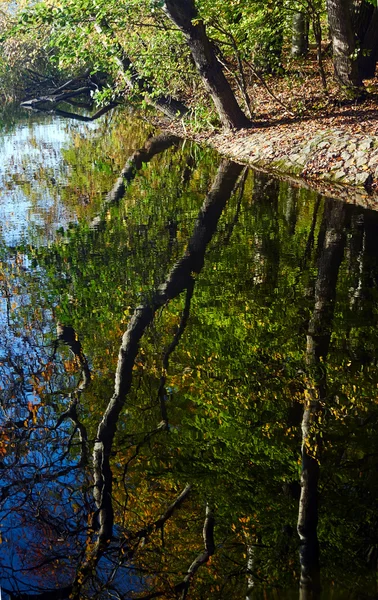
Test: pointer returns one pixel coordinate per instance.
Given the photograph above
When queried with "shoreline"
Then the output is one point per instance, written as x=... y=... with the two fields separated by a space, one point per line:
x=334 y=162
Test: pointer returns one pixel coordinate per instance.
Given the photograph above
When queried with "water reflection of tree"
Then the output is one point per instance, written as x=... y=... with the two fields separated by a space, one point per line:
x=180 y=278
x=211 y=418
x=318 y=339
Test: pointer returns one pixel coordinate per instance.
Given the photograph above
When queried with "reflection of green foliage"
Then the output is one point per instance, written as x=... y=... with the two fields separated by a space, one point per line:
x=236 y=381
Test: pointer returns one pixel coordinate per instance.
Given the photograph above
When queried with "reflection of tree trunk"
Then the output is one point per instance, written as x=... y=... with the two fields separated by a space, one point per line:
x=318 y=338
x=265 y=202
x=357 y=249
x=250 y=570
x=363 y=255
x=310 y=239
x=291 y=209
x=179 y=279
x=320 y=326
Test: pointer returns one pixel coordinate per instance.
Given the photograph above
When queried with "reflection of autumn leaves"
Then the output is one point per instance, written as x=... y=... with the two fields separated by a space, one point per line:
x=5 y=439
x=71 y=366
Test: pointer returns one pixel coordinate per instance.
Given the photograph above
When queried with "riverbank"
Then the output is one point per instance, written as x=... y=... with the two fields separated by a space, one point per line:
x=317 y=142
x=335 y=156
x=335 y=161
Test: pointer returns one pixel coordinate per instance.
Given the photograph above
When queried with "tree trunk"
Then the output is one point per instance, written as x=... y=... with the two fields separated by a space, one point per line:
x=364 y=25
x=361 y=12
x=299 y=43
x=344 y=59
x=183 y=13
x=368 y=56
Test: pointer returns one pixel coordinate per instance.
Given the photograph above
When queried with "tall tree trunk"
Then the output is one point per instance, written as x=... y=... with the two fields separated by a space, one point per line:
x=344 y=48
x=365 y=24
x=299 y=43
x=368 y=56
x=183 y=13
x=362 y=12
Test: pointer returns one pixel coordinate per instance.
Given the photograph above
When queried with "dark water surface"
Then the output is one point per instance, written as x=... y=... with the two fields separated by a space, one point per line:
x=229 y=448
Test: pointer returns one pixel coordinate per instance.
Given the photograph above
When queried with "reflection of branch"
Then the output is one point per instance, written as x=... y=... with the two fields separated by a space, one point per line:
x=231 y=226
x=201 y=559
x=162 y=392
x=69 y=337
x=160 y=522
x=148 y=436
x=142 y=156
x=208 y=538
x=178 y=280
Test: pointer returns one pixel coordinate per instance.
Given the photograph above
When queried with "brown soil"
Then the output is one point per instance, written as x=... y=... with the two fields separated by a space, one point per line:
x=310 y=109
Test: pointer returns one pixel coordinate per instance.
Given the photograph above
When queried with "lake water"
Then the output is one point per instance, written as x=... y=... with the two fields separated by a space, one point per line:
x=188 y=373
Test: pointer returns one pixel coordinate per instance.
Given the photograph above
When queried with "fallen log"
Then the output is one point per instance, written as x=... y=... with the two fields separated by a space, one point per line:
x=53 y=100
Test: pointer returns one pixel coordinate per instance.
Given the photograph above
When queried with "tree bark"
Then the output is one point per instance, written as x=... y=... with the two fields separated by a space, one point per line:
x=362 y=12
x=184 y=15
x=299 y=43
x=344 y=48
x=364 y=25
x=368 y=56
